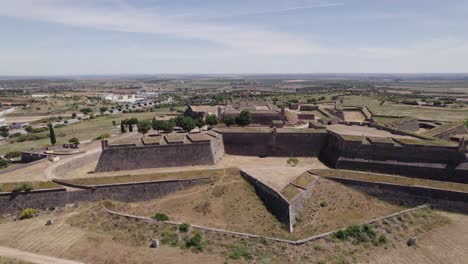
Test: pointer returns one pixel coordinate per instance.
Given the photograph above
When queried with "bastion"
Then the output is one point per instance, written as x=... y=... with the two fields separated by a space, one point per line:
x=155 y=151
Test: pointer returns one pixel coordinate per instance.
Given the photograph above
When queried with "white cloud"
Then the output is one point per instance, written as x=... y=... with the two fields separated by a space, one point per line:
x=121 y=17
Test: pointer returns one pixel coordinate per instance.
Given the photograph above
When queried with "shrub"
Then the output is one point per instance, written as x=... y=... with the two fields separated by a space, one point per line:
x=382 y=240
x=102 y=136
x=4 y=163
x=239 y=251
x=161 y=217
x=74 y=140
x=169 y=238
x=195 y=242
x=27 y=213
x=293 y=161
x=13 y=154
x=184 y=227
x=323 y=204
x=359 y=234
x=22 y=187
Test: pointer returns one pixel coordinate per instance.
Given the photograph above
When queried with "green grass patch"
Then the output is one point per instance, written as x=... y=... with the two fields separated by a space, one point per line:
x=20 y=186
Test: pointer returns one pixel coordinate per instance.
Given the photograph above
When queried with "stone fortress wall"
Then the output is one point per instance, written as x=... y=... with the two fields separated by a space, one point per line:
x=384 y=155
x=192 y=150
x=413 y=160
x=410 y=195
x=124 y=192
x=274 y=142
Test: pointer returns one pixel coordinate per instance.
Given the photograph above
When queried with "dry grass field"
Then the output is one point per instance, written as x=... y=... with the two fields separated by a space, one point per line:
x=88 y=234
x=354 y=116
x=232 y=204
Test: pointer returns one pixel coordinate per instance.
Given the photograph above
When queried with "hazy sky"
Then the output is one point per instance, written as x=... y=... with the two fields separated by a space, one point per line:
x=54 y=37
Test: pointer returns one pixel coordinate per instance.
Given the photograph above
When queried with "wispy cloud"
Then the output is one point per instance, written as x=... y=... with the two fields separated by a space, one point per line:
x=117 y=16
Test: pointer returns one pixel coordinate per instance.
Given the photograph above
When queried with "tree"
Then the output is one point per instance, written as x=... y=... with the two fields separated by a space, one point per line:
x=244 y=118
x=122 y=128
x=187 y=124
x=211 y=120
x=86 y=110
x=178 y=120
x=103 y=109
x=466 y=123
x=29 y=129
x=74 y=115
x=166 y=126
x=229 y=120
x=200 y=122
x=130 y=127
x=53 y=140
x=133 y=121
x=144 y=126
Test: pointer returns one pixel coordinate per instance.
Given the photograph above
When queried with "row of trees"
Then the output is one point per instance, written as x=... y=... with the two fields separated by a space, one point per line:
x=243 y=119
x=185 y=122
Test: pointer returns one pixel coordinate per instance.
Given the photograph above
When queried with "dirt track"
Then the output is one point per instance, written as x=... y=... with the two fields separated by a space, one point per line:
x=33 y=258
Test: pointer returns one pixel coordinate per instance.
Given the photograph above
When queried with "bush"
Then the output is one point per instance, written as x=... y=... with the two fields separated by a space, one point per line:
x=382 y=240
x=239 y=251
x=4 y=163
x=195 y=242
x=359 y=234
x=74 y=140
x=102 y=136
x=27 y=213
x=184 y=227
x=22 y=187
x=169 y=238
x=323 y=204
x=293 y=162
x=161 y=217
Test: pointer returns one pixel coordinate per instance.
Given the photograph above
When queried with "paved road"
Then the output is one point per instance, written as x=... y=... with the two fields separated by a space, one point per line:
x=33 y=258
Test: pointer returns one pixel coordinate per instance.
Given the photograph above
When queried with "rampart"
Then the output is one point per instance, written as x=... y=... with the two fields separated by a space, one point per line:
x=126 y=192
x=410 y=195
x=188 y=152
x=273 y=200
x=274 y=142
x=413 y=160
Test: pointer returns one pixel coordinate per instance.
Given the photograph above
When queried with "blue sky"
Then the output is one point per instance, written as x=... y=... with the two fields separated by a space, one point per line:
x=60 y=37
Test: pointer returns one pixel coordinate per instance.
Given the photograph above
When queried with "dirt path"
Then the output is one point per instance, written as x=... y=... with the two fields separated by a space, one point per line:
x=33 y=258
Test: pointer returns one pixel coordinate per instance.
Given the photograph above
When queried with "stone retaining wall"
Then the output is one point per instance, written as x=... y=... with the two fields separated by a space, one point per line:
x=281 y=144
x=273 y=200
x=125 y=192
x=156 y=156
x=410 y=195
